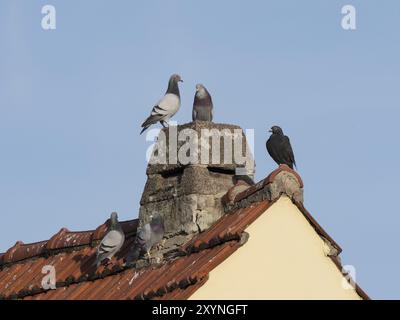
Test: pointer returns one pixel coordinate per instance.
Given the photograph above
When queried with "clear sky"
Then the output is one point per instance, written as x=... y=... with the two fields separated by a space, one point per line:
x=72 y=101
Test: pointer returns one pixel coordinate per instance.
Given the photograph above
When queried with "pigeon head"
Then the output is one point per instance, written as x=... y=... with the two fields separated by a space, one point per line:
x=176 y=78
x=276 y=130
x=173 y=84
x=201 y=91
x=113 y=220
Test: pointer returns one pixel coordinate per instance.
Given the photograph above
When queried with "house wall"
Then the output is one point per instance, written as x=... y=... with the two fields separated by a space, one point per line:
x=284 y=258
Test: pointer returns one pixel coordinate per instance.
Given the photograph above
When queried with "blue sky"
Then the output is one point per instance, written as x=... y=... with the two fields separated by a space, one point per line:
x=72 y=101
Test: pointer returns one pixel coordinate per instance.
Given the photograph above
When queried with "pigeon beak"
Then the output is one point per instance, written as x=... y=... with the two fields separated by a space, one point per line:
x=270 y=130
x=180 y=80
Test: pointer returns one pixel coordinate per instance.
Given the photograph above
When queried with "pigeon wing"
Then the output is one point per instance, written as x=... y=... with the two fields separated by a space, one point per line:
x=288 y=154
x=194 y=114
x=164 y=109
x=280 y=150
x=169 y=104
x=110 y=245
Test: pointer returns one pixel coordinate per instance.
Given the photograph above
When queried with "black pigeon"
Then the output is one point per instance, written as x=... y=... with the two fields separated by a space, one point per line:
x=202 y=105
x=167 y=106
x=279 y=148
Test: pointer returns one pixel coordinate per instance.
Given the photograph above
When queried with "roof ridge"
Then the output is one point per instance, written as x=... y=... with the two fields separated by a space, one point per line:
x=61 y=241
x=232 y=197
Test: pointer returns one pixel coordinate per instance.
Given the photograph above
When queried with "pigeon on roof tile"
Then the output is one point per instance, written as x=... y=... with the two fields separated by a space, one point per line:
x=147 y=237
x=279 y=148
x=112 y=241
x=167 y=106
x=202 y=105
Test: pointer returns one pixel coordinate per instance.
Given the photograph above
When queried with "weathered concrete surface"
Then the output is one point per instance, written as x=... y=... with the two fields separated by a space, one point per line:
x=170 y=151
x=285 y=183
x=188 y=195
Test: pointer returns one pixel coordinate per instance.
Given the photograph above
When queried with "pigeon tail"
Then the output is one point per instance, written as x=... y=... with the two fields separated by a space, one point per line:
x=144 y=129
x=97 y=262
x=152 y=119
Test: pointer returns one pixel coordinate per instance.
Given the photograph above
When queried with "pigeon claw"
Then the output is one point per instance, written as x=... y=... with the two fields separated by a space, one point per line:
x=148 y=256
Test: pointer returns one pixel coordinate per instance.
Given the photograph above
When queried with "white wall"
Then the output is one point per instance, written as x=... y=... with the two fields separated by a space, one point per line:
x=284 y=258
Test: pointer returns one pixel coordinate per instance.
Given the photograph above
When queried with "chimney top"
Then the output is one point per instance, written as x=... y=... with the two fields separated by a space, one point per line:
x=187 y=144
x=192 y=166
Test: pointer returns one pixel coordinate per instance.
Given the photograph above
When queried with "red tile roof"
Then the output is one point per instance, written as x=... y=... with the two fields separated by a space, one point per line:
x=177 y=277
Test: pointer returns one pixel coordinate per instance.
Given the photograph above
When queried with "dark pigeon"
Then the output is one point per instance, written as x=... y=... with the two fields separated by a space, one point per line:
x=112 y=241
x=147 y=237
x=279 y=148
x=167 y=106
x=202 y=105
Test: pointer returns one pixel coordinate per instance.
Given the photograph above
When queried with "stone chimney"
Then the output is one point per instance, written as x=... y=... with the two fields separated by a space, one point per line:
x=191 y=167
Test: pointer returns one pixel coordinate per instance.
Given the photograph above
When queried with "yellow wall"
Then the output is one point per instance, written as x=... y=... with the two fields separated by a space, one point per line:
x=284 y=258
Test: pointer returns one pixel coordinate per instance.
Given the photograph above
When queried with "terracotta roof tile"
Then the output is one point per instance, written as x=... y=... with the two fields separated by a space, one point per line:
x=232 y=196
x=64 y=239
x=177 y=277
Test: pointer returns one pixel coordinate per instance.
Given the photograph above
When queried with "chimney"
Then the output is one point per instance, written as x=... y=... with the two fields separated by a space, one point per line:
x=191 y=167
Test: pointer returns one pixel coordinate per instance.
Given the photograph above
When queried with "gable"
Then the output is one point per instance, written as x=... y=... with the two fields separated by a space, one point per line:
x=284 y=258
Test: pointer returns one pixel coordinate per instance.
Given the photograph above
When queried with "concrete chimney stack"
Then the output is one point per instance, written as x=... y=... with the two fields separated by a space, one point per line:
x=192 y=166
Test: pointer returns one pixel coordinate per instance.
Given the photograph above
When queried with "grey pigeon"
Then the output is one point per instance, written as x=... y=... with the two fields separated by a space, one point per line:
x=112 y=241
x=279 y=148
x=147 y=237
x=167 y=106
x=202 y=105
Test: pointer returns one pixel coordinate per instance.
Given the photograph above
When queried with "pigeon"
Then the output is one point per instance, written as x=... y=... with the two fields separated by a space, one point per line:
x=112 y=241
x=202 y=105
x=167 y=106
x=147 y=237
x=279 y=148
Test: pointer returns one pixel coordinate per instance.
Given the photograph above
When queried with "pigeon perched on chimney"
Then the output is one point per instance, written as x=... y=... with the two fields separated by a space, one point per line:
x=279 y=148
x=147 y=237
x=167 y=106
x=112 y=241
x=202 y=105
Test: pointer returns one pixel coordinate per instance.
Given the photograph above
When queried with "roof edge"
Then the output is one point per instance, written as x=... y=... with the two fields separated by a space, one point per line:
x=63 y=240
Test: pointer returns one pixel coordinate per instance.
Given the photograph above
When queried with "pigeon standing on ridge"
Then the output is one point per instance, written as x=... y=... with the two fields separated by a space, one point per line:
x=279 y=148
x=147 y=237
x=167 y=106
x=112 y=241
x=202 y=105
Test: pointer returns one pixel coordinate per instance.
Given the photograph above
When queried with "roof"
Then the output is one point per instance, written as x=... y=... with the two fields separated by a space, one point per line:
x=178 y=276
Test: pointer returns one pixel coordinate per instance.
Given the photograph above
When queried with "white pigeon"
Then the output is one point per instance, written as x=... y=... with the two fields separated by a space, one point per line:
x=167 y=106
x=112 y=241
